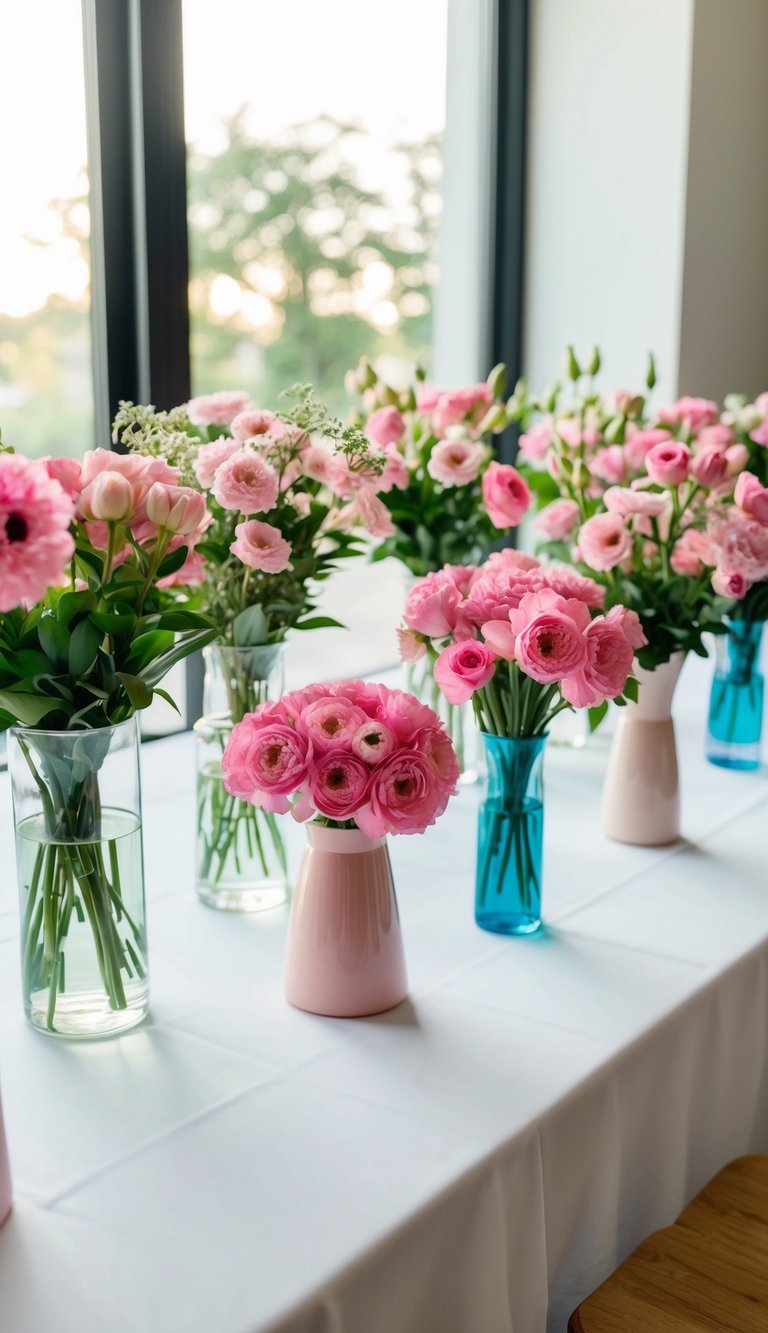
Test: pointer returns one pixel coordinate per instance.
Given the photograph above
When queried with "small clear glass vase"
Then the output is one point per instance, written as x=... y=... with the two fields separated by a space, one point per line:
x=77 y=811
x=459 y=719
x=509 y=836
x=242 y=863
x=735 y=721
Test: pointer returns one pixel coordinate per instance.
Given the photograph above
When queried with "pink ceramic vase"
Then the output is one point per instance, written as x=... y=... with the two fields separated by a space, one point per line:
x=5 y=1175
x=641 y=797
x=345 y=951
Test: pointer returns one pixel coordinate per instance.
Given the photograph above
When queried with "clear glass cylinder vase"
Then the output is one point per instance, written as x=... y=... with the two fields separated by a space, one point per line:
x=242 y=863
x=77 y=811
x=459 y=719
x=509 y=836
x=735 y=723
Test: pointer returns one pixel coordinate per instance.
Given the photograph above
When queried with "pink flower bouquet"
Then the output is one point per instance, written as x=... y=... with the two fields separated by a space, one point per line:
x=446 y=496
x=348 y=755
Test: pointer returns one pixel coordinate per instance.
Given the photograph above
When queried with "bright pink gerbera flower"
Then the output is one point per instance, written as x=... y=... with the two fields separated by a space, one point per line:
x=35 y=542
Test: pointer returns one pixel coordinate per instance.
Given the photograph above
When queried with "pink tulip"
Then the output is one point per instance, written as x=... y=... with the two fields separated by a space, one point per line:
x=108 y=498
x=176 y=509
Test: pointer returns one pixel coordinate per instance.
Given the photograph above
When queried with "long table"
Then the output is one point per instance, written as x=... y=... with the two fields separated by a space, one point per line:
x=475 y=1161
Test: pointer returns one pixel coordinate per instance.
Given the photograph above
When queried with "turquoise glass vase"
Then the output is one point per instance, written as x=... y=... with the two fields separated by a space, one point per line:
x=736 y=700
x=509 y=836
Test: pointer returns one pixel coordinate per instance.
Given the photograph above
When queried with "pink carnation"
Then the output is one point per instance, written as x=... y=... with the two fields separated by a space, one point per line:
x=507 y=496
x=499 y=591
x=558 y=520
x=265 y=763
x=604 y=542
x=246 y=483
x=455 y=462
x=463 y=668
x=510 y=558
x=432 y=605
x=338 y=784
x=211 y=456
x=406 y=796
x=217 y=409
x=254 y=423
x=751 y=497
x=260 y=546
x=35 y=543
x=385 y=426
x=404 y=714
x=608 y=663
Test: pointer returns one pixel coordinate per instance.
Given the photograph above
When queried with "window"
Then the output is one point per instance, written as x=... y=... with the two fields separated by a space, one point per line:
x=46 y=383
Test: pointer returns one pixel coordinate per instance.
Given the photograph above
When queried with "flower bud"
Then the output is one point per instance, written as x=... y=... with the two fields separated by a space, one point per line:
x=572 y=367
x=407 y=401
x=176 y=509
x=614 y=431
x=351 y=383
x=497 y=380
x=385 y=397
x=650 y=374
x=549 y=397
x=594 y=362
x=370 y=401
x=108 y=498
x=749 y=417
x=495 y=420
x=366 y=375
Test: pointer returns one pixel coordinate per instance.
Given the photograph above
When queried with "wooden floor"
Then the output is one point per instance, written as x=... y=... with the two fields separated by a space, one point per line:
x=707 y=1272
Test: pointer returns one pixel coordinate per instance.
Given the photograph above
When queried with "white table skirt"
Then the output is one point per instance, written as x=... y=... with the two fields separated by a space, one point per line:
x=475 y=1161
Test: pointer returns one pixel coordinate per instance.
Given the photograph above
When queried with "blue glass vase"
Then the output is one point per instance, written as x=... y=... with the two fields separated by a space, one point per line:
x=736 y=701
x=509 y=836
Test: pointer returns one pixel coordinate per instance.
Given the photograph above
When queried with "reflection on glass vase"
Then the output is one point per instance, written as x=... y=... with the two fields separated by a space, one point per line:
x=736 y=700
x=459 y=719
x=77 y=810
x=509 y=836
x=241 y=857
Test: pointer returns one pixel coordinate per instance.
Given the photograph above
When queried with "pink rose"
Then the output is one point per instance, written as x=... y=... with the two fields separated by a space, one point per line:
x=455 y=462
x=246 y=483
x=211 y=456
x=638 y=444
x=667 y=464
x=608 y=663
x=330 y=723
x=217 y=409
x=410 y=645
x=709 y=465
x=690 y=413
x=558 y=520
x=406 y=796
x=751 y=497
x=625 y=501
x=253 y=423
x=463 y=668
x=260 y=546
x=506 y=495
x=432 y=605
x=533 y=445
x=609 y=464
x=265 y=763
x=549 y=636
x=733 y=585
x=385 y=426
x=338 y=784
x=604 y=542
x=457 y=405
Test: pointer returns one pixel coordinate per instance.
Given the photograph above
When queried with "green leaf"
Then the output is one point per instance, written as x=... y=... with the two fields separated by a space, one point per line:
x=83 y=647
x=137 y=690
x=319 y=622
x=597 y=714
x=250 y=628
x=173 y=562
x=168 y=699
x=631 y=689
x=113 y=622
x=72 y=604
x=146 y=648
x=54 y=639
x=28 y=709
x=185 y=644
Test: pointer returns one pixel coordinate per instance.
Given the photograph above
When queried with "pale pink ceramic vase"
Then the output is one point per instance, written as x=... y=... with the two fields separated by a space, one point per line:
x=641 y=797
x=5 y=1174
x=345 y=950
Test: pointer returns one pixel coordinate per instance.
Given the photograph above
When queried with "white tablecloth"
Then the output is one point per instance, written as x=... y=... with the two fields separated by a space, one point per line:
x=475 y=1161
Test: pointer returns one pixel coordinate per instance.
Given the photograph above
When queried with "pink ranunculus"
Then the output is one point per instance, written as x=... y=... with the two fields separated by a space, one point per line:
x=609 y=464
x=608 y=663
x=572 y=585
x=406 y=796
x=499 y=591
x=626 y=500
x=751 y=497
x=107 y=499
x=176 y=509
x=691 y=552
x=261 y=546
x=246 y=483
x=211 y=456
x=436 y=744
x=404 y=714
x=506 y=494
x=730 y=584
x=385 y=426
x=373 y=742
x=411 y=645
x=67 y=472
x=709 y=465
x=457 y=405
x=432 y=604
x=265 y=762
x=630 y=624
x=338 y=784
x=455 y=462
x=668 y=464
x=604 y=542
x=509 y=558
x=639 y=442
x=463 y=668
x=255 y=423
x=533 y=445
x=549 y=636
x=690 y=413
x=217 y=409
x=462 y=576
x=330 y=723
x=558 y=520
x=35 y=542
x=373 y=513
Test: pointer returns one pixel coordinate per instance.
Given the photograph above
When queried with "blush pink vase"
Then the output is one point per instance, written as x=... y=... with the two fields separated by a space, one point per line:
x=641 y=797
x=5 y=1175
x=345 y=950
